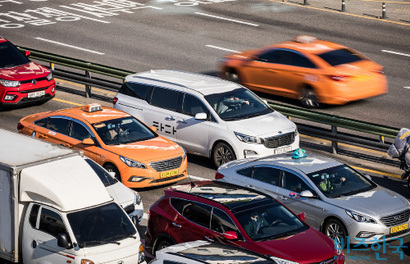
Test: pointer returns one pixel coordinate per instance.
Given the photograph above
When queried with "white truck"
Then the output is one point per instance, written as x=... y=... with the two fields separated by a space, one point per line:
x=54 y=209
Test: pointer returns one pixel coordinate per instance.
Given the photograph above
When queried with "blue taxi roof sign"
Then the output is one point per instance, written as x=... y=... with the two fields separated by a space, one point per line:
x=299 y=153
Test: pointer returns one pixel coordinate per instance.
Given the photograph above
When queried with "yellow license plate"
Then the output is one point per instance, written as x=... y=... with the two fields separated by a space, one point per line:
x=168 y=173
x=395 y=229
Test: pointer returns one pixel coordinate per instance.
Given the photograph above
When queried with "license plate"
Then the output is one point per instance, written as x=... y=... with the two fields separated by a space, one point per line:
x=36 y=94
x=399 y=228
x=168 y=173
x=282 y=150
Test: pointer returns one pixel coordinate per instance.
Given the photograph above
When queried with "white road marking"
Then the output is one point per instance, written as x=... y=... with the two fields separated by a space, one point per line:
x=196 y=178
x=227 y=19
x=215 y=47
x=406 y=87
x=70 y=46
x=397 y=53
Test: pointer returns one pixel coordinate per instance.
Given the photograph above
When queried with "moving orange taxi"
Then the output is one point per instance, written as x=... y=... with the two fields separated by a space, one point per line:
x=307 y=69
x=114 y=139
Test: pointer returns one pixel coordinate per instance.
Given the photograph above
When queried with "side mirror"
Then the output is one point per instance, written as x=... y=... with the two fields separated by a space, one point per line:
x=27 y=53
x=201 y=116
x=302 y=217
x=230 y=235
x=307 y=194
x=62 y=241
x=153 y=128
x=88 y=141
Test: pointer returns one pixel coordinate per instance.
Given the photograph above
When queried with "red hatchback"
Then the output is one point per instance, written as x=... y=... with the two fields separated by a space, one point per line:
x=237 y=216
x=21 y=80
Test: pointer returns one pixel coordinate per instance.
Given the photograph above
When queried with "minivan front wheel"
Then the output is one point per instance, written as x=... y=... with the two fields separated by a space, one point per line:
x=222 y=153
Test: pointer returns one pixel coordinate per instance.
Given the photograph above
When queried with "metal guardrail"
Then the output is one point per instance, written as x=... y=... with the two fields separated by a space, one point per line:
x=372 y=135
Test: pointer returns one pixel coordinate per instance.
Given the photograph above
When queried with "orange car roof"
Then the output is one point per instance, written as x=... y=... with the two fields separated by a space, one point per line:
x=107 y=113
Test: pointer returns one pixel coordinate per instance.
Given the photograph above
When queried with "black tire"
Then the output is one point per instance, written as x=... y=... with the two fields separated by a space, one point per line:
x=308 y=98
x=336 y=231
x=111 y=168
x=233 y=76
x=222 y=153
x=163 y=244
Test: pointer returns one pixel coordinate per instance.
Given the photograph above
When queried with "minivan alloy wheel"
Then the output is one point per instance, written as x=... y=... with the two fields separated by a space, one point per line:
x=222 y=153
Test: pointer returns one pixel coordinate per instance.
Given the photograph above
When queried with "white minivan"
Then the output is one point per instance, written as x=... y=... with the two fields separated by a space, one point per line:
x=206 y=115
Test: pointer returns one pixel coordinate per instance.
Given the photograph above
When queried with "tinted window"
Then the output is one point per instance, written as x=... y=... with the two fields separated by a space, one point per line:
x=166 y=98
x=268 y=175
x=59 y=125
x=10 y=56
x=42 y=122
x=51 y=223
x=136 y=90
x=221 y=222
x=106 y=179
x=287 y=58
x=341 y=56
x=273 y=56
x=301 y=61
x=33 y=215
x=294 y=183
x=193 y=106
x=79 y=132
x=246 y=172
x=195 y=212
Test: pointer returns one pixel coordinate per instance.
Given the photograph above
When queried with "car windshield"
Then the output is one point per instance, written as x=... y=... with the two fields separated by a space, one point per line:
x=122 y=131
x=340 y=56
x=10 y=56
x=270 y=221
x=237 y=104
x=104 y=224
x=340 y=181
x=105 y=178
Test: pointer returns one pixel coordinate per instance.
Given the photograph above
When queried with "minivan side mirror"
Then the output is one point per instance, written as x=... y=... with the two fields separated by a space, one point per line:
x=307 y=194
x=153 y=128
x=230 y=235
x=88 y=141
x=302 y=216
x=201 y=116
x=62 y=241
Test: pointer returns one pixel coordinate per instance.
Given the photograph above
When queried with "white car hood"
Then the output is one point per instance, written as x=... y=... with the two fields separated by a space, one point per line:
x=376 y=203
x=121 y=194
x=271 y=124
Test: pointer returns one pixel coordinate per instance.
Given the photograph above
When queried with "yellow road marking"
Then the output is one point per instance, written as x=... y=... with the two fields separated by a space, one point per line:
x=378 y=172
x=67 y=102
x=342 y=13
x=82 y=86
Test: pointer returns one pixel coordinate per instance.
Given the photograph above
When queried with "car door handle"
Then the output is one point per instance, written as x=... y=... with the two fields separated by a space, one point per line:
x=282 y=197
x=66 y=145
x=42 y=136
x=175 y=224
x=209 y=239
x=169 y=118
x=182 y=121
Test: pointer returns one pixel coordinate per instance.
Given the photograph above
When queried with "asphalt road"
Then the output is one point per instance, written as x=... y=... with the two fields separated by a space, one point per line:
x=190 y=35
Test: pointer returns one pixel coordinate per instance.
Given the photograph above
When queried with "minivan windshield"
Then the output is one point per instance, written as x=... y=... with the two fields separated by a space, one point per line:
x=100 y=225
x=237 y=104
x=10 y=56
x=122 y=131
x=340 y=181
x=270 y=221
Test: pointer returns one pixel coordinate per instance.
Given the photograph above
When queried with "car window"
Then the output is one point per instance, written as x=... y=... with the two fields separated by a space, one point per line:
x=301 y=61
x=272 y=56
x=33 y=215
x=51 y=223
x=195 y=212
x=137 y=90
x=167 y=99
x=57 y=124
x=10 y=56
x=79 y=132
x=246 y=172
x=267 y=174
x=294 y=183
x=340 y=56
x=192 y=106
x=221 y=222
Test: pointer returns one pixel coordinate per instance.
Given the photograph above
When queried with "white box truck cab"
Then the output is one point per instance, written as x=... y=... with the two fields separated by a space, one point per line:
x=54 y=211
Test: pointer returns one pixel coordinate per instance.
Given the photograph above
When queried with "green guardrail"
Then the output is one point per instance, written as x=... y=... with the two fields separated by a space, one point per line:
x=334 y=122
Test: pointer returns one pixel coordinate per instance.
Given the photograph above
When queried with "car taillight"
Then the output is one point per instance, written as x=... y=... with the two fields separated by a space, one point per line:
x=19 y=126
x=114 y=100
x=338 y=78
x=218 y=176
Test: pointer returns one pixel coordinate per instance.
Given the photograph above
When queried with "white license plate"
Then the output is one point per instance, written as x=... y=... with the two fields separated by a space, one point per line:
x=282 y=150
x=36 y=94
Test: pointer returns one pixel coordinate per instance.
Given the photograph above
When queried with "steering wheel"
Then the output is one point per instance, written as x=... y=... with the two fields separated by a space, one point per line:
x=277 y=221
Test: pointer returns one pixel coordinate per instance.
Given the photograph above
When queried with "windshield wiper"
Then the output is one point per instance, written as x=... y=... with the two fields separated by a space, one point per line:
x=83 y=244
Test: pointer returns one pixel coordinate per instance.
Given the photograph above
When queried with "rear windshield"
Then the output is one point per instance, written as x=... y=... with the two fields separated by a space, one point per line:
x=10 y=56
x=340 y=56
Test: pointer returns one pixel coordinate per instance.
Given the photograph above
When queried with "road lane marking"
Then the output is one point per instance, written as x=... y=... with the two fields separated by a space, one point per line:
x=377 y=172
x=406 y=87
x=215 y=47
x=396 y=53
x=228 y=19
x=70 y=46
x=67 y=102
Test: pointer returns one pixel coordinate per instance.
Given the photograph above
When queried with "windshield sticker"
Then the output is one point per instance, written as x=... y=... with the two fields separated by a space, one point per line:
x=126 y=121
x=100 y=125
x=294 y=195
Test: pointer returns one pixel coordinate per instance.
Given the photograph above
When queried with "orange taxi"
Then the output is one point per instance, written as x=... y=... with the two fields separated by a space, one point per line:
x=308 y=69
x=116 y=140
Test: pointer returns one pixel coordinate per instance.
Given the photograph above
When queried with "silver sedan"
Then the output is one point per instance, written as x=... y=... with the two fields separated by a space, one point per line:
x=339 y=201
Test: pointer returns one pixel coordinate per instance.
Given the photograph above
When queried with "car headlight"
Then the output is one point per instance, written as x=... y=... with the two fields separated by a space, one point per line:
x=49 y=76
x=283 y=261
x=9 y=83
x=360 y=218
x=132 y=163
x=184 y=155
x=248 y=139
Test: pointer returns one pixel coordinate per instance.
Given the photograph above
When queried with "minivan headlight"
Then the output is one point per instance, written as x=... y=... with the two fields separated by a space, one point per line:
x=360 y=218
x=133 y=163
x=283 y=261
x=49 y=76
x=249 y=139
x=9 y=83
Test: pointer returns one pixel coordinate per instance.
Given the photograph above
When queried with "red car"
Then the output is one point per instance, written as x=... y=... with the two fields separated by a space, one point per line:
x=21 y=80
x=237 y=216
